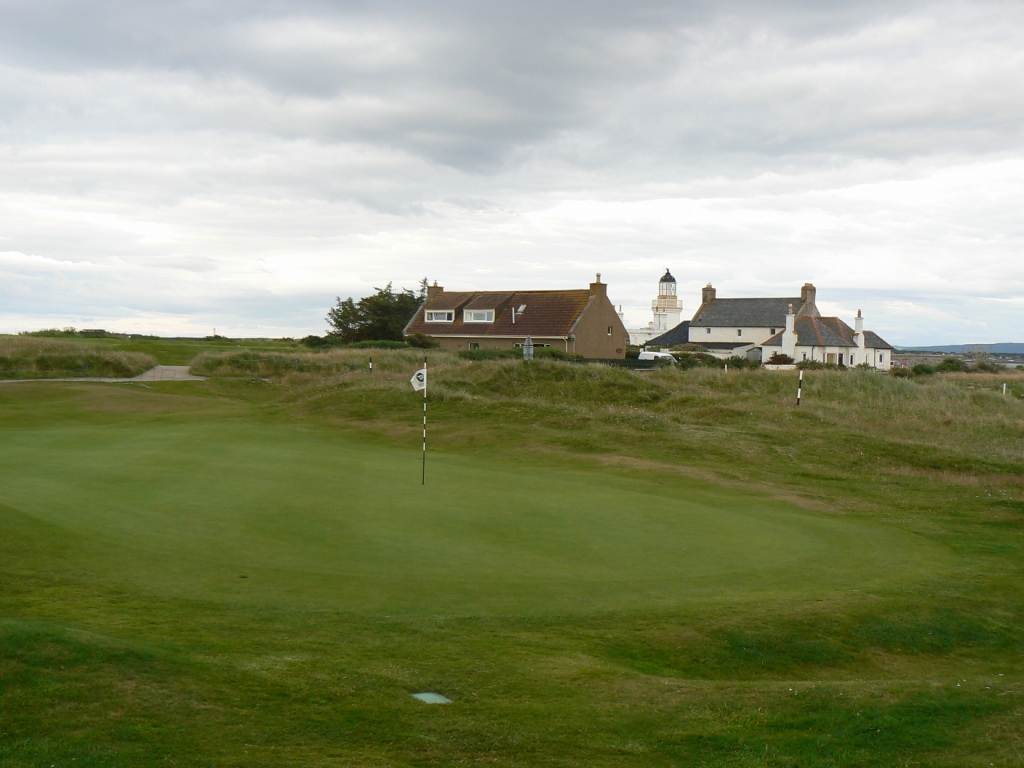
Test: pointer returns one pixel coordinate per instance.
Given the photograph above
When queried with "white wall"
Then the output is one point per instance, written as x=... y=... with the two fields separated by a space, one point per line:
x=723 y=333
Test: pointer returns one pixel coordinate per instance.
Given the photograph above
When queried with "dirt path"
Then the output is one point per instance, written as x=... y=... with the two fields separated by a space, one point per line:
x=159 y=373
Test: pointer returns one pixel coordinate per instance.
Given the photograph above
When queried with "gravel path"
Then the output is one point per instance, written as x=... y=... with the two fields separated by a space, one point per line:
x=159 y=373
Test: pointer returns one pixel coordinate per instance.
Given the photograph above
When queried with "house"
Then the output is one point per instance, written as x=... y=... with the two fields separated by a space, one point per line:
x=583 y=321
x=727 y=327
x=666 y=309
x=756 y=328
x=829 y=340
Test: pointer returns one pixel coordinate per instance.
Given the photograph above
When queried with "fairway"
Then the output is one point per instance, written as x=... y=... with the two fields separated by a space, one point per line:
x=189 y=505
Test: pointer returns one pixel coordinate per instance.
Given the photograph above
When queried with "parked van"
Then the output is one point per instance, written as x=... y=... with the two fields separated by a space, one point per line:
x=664 y=356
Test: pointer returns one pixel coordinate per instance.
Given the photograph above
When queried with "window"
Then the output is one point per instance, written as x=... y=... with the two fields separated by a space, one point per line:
x=771 y=331
x=739 y=331
x=707 y=330
x=853 y=358
x=478 y=316
x=441 y=316
x=805 y=355
x=609 y=330
x=474 y=345
x=881 y=358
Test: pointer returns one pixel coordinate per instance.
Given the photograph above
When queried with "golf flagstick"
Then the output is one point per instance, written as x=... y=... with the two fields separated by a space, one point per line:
x=419 y=381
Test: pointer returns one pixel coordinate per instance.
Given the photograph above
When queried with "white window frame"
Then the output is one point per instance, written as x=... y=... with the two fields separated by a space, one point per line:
x=468 y=316
x=447 y=316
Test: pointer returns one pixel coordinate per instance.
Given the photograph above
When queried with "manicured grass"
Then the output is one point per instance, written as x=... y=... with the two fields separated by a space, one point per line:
x=190 y=505
x=604 y=569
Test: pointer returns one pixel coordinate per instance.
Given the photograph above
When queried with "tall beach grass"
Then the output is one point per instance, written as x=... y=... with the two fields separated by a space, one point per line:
x=44 y=358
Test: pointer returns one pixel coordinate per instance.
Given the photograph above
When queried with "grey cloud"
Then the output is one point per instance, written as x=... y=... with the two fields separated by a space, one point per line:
x=179 y=144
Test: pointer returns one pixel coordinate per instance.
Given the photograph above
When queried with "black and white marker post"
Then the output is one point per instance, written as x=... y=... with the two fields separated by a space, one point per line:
x=419 y=382
x=799 y=388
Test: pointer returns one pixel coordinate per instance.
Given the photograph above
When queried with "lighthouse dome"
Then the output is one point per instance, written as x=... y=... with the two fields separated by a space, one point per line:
x=667 y=277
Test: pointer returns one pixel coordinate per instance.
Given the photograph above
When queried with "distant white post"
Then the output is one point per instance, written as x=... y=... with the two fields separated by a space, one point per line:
x=799 y=387
x=371 y=365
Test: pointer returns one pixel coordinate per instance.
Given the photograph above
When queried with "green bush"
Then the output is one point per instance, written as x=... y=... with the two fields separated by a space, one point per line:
x=317 y=342
x=422 y=341
x=985 y=366
x=688 y=360
x=923 y=369
x=901 y=373
x=811 y=365
x=951 y=365
x=778 y=358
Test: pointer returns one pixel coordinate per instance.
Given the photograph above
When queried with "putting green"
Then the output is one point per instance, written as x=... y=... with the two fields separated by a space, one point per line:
x=235 y=510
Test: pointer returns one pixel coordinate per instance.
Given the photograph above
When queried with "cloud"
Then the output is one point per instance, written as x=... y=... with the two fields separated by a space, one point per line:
x=200 y=153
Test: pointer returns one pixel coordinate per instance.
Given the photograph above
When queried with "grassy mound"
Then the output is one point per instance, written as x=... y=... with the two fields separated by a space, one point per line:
x=41 y=358
x=605 y=568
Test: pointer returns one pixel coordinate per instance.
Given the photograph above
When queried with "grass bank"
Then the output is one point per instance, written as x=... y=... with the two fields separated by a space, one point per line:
x=40 y=358
x=606 y=568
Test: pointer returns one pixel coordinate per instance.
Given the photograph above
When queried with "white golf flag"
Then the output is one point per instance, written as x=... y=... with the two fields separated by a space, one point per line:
x=419 y=379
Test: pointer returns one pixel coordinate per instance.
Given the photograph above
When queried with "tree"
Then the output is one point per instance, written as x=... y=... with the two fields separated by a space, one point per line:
x=378 y=317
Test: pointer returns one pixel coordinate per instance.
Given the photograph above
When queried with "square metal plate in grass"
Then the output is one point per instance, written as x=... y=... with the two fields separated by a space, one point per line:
x=432 y=698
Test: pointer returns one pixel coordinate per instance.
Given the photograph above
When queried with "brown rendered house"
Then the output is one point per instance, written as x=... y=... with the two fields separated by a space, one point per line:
x=583 y=321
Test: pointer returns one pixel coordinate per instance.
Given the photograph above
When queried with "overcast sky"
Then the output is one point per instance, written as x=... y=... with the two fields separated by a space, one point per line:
x=174 y=167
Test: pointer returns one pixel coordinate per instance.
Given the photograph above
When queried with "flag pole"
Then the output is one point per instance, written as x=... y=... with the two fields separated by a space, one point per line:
x=424 y=480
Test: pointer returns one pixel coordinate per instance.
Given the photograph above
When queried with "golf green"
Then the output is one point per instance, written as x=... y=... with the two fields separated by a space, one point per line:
x=240 y=510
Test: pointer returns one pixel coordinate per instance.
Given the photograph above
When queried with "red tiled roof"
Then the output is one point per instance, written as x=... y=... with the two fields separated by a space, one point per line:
x=545 y=313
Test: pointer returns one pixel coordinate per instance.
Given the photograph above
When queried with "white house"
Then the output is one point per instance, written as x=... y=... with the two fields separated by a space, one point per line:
x=829 y=340
x=793 y=326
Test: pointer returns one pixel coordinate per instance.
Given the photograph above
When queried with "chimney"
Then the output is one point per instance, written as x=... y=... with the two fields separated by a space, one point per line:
x=807 y=295
x=858 y=327
x=707 y=294
x=597 y=288
x=433 y=291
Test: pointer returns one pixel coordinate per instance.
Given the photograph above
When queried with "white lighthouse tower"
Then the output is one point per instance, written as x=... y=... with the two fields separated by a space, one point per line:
x=667 y=310
x=667 y=307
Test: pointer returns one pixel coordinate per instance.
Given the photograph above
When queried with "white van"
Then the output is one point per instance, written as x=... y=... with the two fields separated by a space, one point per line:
x=645 y=355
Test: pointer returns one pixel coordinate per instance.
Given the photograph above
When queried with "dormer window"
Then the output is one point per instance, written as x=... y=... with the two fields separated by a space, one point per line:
x=478 y=316
x=440 y=316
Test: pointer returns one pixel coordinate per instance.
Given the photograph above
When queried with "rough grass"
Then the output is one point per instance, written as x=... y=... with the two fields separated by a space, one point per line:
x=40 y=358
x=104 y=662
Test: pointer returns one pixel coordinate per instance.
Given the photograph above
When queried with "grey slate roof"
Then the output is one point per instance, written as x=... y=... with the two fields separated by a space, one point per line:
x=748 y=313
x=678 y=335
x=827 y=332
x=873 y=341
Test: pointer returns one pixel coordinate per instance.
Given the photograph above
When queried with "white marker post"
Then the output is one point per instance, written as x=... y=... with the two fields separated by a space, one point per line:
x=371 y=365
x=799 y=388
x=419 y=382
